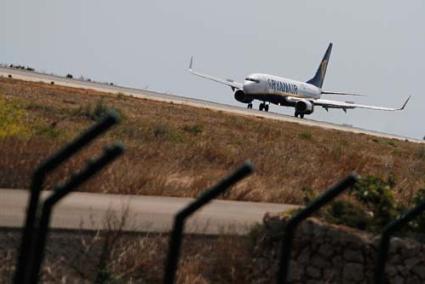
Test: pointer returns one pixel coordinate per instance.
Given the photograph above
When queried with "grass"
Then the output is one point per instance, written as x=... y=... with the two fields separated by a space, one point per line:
x=134 y=259
x=178 y=150
x=12 y=119
x=114 y=256
x=305 y=135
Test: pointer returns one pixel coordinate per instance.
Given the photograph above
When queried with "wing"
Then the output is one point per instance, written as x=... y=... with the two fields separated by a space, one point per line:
x=349 y=105
x=228 y=82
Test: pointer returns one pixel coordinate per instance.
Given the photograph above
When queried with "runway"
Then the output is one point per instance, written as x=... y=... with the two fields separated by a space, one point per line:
x=105 y=87
x=89 y=211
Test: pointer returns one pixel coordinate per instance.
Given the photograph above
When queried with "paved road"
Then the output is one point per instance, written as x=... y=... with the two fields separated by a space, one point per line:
x=104 y=87
x=145 y=213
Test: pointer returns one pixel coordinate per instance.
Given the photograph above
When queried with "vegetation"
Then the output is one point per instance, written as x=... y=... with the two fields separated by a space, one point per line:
x=21 y=67
x=178 y=150
x=305 y=135
x=371 y=205
x=12 y=119
x=113 y=256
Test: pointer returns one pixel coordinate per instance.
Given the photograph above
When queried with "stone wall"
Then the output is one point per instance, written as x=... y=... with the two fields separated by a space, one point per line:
x=325 y=253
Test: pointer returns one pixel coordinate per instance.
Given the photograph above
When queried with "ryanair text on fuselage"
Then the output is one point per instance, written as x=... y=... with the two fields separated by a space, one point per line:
x=282 y=86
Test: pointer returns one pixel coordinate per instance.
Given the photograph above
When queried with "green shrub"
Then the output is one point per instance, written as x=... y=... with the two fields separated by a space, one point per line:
x=392 y=143
x=308 y=194
x=418 y=224
x=344 y=212
x=377 y=196
x=370 y=205
x=12 y=120
x=164 y=132
x=49 y=131
x=97 y=112
x=193 y=129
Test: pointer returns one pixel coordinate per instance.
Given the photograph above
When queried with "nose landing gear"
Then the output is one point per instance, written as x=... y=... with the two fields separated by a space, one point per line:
x=250 y=106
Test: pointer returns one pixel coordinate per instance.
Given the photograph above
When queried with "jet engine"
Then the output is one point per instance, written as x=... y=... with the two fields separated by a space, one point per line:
x=304 y=107
x=240 y=96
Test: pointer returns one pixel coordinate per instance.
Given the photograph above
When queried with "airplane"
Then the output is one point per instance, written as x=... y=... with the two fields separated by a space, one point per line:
x=303 y=96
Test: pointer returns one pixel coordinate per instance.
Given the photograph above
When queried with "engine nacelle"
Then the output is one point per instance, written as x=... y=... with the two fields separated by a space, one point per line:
x=240 y=96
x=304 y=107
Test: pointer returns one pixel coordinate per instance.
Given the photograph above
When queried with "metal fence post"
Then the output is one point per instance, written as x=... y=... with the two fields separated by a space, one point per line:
x=60 y=192
x=286 y=245
x=180 y=218
x=37 y=183
x=386 y=236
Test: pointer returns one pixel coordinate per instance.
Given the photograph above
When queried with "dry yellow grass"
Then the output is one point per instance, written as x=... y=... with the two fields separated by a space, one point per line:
x=179 y=150
x=112 y=256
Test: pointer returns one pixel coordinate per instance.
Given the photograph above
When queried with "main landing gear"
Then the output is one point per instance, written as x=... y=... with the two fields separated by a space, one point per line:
x=264 y=106
x=300 y=114
x=250 y=106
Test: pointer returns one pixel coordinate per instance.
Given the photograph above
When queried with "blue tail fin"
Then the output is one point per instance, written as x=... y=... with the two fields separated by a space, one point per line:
x=319 y=77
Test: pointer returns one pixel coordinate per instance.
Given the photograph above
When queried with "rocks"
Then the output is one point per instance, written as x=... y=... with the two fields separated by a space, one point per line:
x=326 y=250
x=411 y=262
x=419 y=270
x=337 y=254
x=304 y=257
x=319 y=262
x=353 y=272
x=397 y=280
x=313 y=272
x=353 y=256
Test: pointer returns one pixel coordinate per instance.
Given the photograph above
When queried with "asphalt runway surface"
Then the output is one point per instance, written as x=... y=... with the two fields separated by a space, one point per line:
x=90 y=211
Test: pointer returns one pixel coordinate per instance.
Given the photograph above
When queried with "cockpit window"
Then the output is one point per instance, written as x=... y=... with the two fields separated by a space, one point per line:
x=252 y=80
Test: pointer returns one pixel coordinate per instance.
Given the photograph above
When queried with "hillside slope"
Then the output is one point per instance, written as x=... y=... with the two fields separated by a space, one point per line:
x=178 y=150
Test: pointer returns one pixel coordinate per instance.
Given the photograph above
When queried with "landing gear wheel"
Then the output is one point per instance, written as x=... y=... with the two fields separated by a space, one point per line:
x=264 y=107
x=249 y=106
x=301 y=115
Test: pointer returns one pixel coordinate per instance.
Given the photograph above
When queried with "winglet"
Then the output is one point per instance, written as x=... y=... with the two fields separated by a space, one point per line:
x=405 y=103
x=191 y=63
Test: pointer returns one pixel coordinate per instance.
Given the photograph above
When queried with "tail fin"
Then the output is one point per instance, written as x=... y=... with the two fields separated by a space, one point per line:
x=318 y=79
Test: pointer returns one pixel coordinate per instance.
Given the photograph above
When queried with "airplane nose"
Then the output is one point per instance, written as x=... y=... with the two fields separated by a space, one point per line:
x=248 y=87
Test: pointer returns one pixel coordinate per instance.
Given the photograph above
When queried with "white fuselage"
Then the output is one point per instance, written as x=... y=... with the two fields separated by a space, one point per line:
x=268 y=85
x=303 y=96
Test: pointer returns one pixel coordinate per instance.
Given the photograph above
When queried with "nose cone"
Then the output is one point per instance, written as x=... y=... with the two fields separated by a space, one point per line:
x=253 y=87
x=248 y=87
x=252 y=84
